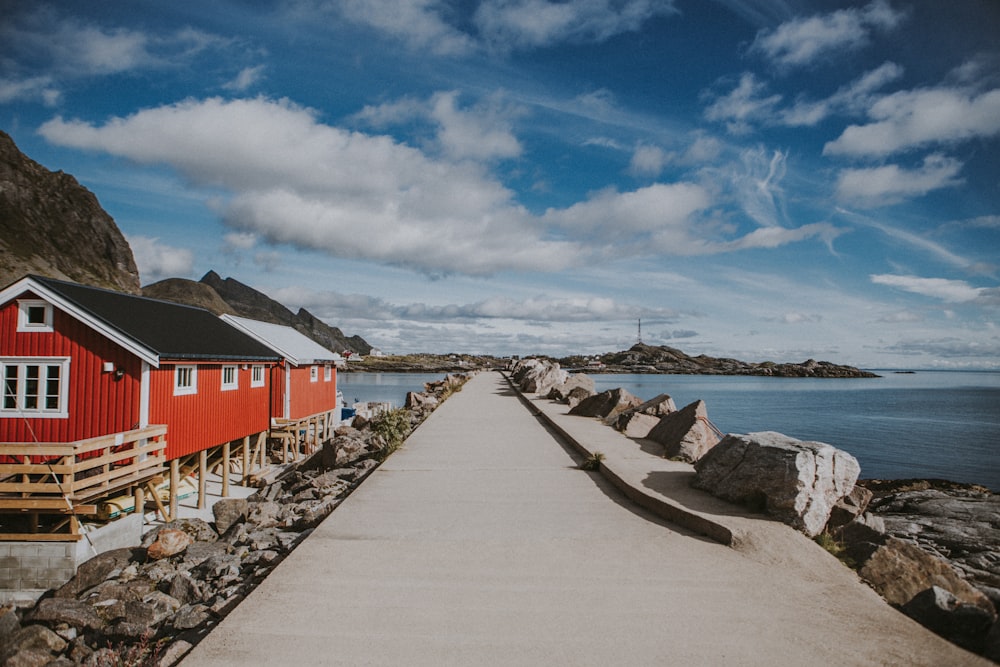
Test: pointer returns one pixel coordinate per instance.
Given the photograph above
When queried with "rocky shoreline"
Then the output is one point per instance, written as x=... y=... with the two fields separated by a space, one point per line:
x=151 y=603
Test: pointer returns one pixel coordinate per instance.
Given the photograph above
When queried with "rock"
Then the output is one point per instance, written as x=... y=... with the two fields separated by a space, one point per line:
x=658 y=406
x=199 y=552
x=899 y=571
x=53 y=611
x=535 y=376
x=795 y=481
x=579 y=382
x=164 y=606
x=184 y=589
x=420 y=401
x=686 y=435
x=30 y=658
x=264 y=515
x=169 y=542
x=229 y=511
x=849 y=507
x=938 y=610
x=635 y=424
x=606 y=405
x=94 y=571
x=33 y=638
x=9 y=623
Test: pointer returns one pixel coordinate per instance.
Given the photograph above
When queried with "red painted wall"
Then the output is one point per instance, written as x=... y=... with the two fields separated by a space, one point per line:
x=98 y=402
x=211 y=417
x=308 y=398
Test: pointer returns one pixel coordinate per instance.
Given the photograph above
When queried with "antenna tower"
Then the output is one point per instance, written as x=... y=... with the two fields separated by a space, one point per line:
x=638 y=338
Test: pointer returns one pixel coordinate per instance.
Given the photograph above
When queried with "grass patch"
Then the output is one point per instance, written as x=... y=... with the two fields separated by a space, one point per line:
x=835 y=548
x=592 y=462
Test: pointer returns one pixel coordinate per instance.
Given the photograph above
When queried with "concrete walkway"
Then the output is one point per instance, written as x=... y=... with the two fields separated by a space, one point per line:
x=480 y=543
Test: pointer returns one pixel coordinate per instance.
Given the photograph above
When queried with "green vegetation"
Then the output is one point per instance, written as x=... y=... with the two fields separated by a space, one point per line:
x=592 y=462
x=835 y=548
x=391 y=427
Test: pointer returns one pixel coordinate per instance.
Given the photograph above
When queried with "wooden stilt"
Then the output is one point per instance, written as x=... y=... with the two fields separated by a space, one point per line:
x=175 y=482
x=262 y=447
x=140 y=501
x=246 y=459
x=225 y=470
x=159 y=503
x=202 y=475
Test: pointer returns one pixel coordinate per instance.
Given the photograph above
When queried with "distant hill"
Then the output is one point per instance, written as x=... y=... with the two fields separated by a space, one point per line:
x=52 y=226
x=233 y=297
x=641 y=358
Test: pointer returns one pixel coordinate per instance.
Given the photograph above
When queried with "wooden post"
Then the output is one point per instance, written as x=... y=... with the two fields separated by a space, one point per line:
x=140 y=502
x=262 y=443
x=202 y=473
x=246 y=459
x=225 y=470
x=159 y=503
x=175 y=481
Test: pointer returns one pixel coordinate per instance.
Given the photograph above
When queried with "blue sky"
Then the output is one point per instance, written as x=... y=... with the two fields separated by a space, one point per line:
x=755 y=179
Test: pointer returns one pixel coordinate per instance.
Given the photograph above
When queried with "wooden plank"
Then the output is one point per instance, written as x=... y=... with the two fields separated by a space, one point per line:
x=46 y=504
x=175 y=481
x=40 y=537
x=225 y=470
x=202 y=475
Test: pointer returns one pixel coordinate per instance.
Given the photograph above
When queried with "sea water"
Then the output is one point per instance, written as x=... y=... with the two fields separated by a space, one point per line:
x=927 y=424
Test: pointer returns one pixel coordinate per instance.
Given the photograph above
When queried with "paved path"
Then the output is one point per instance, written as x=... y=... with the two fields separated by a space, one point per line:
x=480 y=543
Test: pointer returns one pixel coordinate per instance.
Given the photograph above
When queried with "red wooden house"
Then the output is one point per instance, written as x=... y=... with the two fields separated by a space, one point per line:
x=83 y=365
x=304 y=384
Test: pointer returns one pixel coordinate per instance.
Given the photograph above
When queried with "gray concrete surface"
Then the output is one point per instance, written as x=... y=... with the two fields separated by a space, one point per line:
x=480 y=543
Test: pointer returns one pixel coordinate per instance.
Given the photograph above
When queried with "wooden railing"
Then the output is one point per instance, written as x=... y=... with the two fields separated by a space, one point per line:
x=304 y=436
x=64 y=477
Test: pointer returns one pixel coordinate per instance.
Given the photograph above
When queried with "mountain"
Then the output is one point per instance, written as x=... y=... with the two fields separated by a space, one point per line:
x=233 y=297
x=52 y=226
x=642 y=358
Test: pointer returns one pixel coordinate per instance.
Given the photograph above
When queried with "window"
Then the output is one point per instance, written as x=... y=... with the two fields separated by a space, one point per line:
x=34 y=315
x=314 y=373
x=327 y=373
x=230 y=378
x=257 y=376
x=37 y=387
x=185 y=380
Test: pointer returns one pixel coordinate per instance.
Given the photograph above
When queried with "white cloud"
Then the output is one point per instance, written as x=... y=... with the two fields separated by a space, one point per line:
x=855 y=97
x=247 y=77
x=890 y=184
x=481 y=134
x=523 y=24
x=951 y=291
x=912 y=119
x=157 y=261
x=803 y=41
x=747 y=102
x=418 y=22
x=40 y=88
x=648 y=160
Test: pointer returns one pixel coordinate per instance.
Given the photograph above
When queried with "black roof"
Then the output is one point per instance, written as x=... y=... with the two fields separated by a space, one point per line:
x=172 y=330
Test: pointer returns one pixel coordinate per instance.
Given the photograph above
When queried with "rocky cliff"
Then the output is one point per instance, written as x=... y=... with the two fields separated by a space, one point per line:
x=228 y=295
x=52 y=226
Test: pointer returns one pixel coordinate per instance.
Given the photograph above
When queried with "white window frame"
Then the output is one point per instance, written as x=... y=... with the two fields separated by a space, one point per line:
x=60 y=411
x=24 y=324
x=327 y=373
x=314 y=373
x=257 y=375
x=234 y=382
x=189 y=388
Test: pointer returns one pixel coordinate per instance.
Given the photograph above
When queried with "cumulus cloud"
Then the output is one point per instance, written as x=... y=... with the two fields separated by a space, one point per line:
x=157 y=260
x=36 y=88
x=746 y=103
x=951 y=291
x=802 y=41
x=890 y=184
x=418 y=22
x=523 y=24
x=917 y=118
x=853 y=98
x=648 y=160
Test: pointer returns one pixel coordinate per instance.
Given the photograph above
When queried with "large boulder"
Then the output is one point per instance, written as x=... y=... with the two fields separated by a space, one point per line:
x=686 y=435
x=606 y=404
x=795 y=481
x=573 y=385
x=637 y=422
x=542 y=377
